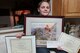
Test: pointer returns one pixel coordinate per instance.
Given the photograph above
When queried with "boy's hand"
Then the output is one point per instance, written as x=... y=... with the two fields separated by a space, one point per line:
x=19 y=35
x=59 y=48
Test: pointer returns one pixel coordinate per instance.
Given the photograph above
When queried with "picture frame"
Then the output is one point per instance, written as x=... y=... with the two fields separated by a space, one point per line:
x=42 y=27
x=24 y=45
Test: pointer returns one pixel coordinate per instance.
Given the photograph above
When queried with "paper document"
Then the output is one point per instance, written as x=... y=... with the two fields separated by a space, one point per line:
x=52 y=44
x=69 y=43
x=52 y=52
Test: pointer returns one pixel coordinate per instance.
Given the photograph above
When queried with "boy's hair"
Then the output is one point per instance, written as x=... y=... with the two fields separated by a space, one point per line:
x=42 y=2
x=46 y=0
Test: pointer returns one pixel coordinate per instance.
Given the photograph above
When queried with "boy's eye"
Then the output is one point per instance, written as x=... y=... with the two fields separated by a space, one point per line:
x=47 y=7
x=43 y=7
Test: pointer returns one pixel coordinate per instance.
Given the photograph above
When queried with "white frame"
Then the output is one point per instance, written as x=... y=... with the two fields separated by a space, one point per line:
x=45 y=19
x=13 y=45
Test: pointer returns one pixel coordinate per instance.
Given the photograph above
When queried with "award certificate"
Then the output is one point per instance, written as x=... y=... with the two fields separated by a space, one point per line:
x=69 y=43
x=24 y=45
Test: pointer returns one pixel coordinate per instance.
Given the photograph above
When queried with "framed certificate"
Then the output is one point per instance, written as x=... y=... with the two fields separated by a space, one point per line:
x=45 y=28
x=24 y=45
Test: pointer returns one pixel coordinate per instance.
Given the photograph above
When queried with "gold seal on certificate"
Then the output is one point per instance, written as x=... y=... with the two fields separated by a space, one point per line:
x=24 y=45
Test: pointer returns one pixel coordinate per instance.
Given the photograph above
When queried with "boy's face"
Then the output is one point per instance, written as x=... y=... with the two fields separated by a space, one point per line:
x=44 y=9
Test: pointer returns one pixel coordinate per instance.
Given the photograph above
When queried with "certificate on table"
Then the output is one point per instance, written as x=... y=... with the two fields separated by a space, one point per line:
x=24 y=45
x=69 y=43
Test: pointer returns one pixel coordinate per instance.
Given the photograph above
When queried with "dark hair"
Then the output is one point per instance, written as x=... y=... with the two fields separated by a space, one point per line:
x=42 y=2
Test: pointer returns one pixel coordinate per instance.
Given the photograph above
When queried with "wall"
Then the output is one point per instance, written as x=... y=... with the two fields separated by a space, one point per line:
x=51 y=7
x=5 y=20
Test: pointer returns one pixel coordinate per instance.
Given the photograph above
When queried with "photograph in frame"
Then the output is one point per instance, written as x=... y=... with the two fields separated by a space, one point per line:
x=44 y=28
x=24 y=45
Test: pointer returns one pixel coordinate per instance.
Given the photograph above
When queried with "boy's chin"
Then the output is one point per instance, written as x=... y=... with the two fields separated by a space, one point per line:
x=45 y=14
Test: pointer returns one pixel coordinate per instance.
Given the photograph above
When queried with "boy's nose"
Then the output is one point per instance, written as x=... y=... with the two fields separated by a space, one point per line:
x=45 y=9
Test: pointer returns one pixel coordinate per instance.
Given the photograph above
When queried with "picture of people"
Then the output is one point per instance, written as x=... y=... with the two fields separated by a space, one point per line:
x=44 y=31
